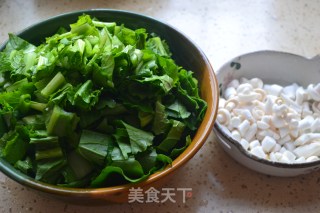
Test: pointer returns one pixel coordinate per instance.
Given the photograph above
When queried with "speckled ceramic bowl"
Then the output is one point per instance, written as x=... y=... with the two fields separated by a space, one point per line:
x=186 y=54
x=273 y=68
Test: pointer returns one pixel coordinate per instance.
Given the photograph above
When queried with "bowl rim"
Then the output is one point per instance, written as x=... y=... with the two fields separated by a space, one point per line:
x=218 y=127
x=192 y=149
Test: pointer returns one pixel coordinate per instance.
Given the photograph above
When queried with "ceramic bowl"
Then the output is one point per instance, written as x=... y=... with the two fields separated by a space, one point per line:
x=273 y=68
x=185 y=53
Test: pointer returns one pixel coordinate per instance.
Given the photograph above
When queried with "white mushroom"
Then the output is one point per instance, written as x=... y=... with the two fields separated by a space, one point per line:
x=223 y=116
x=231 y=104
x=282 y=150
x=301 y=95
x=235 y=121
x=258 y=104
x=294 y=132
x=245 y=114
x=267 y=144
x=254 y=143
x=262 y=125
x=314 y=92
x=289 y=155
x=243 y=80
x=276 y=148
x=236 y=135
x=266 y=119
x=308 y=150
x=244 y=143
x=292 y=116
x=306 y=110
x=290 y=90
x=291 y=103
x=268 y=105
x=280 y=110
x=257 y=113
x=293 y=124
x=268 y=132
x=284 y=140
x=244 y=127
x=283 y=131
x=272 y=157
x=275 y=156
x=289 y=146
x=222 y=102
x=316 y=107
x=312 y=158
x=315 y=127
x=278 y=121
x=248 y=97
x=258 y=151
x=300 y=160
x=251 y=132
x=260 y=94
x=305 y=123
x=230 y=92
x=306 y=138
x=273 y=89
x=256 y=83
x=234 y=83
x=244 y=88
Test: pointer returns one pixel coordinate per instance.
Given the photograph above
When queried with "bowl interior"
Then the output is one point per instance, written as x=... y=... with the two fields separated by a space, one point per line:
x=185 y=53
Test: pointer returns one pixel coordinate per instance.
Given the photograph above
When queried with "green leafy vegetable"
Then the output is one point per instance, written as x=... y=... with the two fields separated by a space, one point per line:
x=57 y=81
x=84 y=97
x=97 y=104
x=94 y=146
x=138 y=139
x=173 y=137
x=14 y=144
x=26 y=166
x=61 y=123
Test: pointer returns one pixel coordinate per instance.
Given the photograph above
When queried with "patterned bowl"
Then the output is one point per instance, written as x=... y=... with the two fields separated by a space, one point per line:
x=273 y=68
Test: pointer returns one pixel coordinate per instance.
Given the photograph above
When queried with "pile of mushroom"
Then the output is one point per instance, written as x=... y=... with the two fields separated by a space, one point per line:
x=272 y=122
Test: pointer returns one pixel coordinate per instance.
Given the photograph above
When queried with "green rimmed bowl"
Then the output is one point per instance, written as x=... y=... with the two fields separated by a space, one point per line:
x=185 y=53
